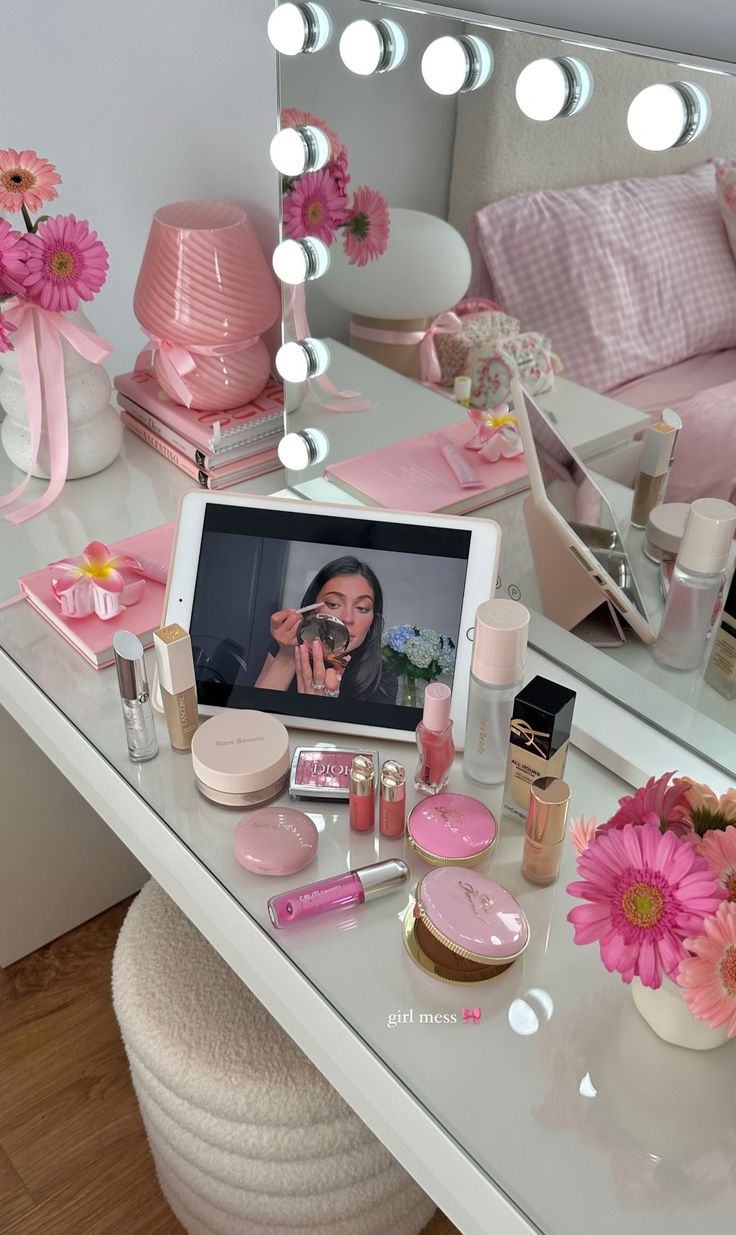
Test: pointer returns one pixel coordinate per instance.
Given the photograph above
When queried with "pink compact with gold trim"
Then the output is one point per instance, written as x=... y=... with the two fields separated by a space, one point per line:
x=451 y=829
x=463 y=927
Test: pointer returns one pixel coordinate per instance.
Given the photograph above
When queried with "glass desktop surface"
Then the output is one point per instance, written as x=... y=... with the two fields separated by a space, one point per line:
x=561 y=1094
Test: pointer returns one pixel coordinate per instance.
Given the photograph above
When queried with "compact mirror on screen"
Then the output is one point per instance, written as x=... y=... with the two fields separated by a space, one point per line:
x=346 y=619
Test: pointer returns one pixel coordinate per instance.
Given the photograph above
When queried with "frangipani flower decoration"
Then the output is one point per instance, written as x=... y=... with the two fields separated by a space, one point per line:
x=498 y=433
x=97 y=583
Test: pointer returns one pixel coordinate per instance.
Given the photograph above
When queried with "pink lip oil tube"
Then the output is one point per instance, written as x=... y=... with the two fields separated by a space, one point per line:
x=340 y=892
x=362 y=808
x=392 y=799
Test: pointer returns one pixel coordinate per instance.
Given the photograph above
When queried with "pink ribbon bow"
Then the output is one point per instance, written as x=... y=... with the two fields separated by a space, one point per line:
x=176 y=360
x=471 y=1014
x=295 y=315
x=41 y=361
x=97 y=582
x=429 y=365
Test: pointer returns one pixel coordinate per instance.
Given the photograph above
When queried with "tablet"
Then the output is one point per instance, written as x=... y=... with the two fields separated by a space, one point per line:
x=402 y=588
x=578 y=513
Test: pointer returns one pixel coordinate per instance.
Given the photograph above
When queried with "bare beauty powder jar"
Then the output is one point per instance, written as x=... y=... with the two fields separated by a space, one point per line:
x=451 y=829
x=241 y=758
x=463 y=927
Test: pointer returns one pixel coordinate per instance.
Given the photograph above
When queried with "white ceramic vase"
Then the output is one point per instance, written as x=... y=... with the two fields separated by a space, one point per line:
x=666 y=1012
x=95 y=429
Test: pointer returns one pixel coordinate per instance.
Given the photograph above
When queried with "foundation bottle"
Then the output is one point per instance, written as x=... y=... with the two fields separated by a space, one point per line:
x=721 y=671
x=656 y=456
x=549 y=800
x=541 y=722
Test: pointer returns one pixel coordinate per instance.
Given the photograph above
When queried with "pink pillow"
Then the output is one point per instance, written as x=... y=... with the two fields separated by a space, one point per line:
x=625 y=278
x=726 y=197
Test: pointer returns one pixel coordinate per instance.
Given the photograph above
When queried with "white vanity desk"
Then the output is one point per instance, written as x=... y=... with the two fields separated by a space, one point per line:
x=588 y=1123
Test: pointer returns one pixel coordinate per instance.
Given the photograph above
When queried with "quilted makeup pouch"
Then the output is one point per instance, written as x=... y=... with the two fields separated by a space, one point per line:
x=493 y=364
x=482 y=322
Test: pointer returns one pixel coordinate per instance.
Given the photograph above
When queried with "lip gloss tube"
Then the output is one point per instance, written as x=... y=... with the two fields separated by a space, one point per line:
x=362 y=794
x=340 y=892
x=392 y=799
x=464 y=473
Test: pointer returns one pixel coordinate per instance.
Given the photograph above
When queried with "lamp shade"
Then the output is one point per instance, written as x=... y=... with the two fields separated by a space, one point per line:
x=425 y=270
x=204 y=278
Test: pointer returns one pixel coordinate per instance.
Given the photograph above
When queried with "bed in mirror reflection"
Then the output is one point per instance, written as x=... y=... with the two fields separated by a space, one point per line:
x=558 y=211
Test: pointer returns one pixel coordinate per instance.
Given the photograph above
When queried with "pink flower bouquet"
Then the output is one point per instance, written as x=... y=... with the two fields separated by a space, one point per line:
x=318 y=203
x=658 y=885
x=57 y=261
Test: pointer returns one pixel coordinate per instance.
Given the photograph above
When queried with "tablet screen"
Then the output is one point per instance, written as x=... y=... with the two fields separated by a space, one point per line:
x=385 y=600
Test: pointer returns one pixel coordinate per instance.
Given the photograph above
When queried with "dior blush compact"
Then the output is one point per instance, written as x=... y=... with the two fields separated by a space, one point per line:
x=324 y=772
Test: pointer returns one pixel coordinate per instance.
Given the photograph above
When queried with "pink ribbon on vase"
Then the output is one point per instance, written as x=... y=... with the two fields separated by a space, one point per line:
x=429 y=365
x=176 y=360
x=295 y=315
x=41 y=362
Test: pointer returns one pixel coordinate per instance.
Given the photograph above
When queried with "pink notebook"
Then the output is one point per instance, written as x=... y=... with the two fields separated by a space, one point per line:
x=89 y=635
x=209 y=431
x=412 y=475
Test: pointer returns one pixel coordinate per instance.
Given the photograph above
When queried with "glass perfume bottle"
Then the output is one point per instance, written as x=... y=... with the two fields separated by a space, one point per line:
x=696 y=581
x=434 y=740
x=140 y=730
x=496 y=674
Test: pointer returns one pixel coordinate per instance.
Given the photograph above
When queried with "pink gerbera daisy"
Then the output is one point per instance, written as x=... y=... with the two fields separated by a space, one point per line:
x=12 y=260
x=65 y=261
x=719 y=850
x=656 y=802
x=708 y=977
x=367 y=227
x=582 y=832
x=315 y=207
x=5 y=328
x=295 y=118
x=26 y=180
x=338 y=169
x=647 y=891
x=705 y=809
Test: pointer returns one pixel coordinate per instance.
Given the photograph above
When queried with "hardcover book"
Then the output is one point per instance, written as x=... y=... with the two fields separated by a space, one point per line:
x=210 y=461
x=91 y=636
x=222 y=477
x=210 y=432
x=413 y=475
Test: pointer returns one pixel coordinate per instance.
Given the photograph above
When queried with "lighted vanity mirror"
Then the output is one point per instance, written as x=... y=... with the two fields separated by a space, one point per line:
x=582 y=230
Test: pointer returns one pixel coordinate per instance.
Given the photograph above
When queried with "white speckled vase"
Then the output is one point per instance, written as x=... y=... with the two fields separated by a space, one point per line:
x=666 y=1012
x=95 y=429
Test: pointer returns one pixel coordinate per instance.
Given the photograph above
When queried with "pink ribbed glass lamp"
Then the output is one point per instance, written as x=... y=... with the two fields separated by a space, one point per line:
x=205 y=286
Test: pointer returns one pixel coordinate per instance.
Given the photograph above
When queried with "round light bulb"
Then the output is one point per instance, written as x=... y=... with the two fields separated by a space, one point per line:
x=298 y=150
x=553 y=87
x=298 y=451
x=298 y=361
x=368 y=47
x=296 y=28
x=667 y=115
x=298 y=261
x=452 y=65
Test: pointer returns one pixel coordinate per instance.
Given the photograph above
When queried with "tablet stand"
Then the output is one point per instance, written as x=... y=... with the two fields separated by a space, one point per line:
x=569 y=596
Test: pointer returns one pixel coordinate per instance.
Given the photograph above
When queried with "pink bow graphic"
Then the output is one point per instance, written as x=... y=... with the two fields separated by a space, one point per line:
x=97 y=582
x=471 y=1014
x=176 y=360
x=41 y=360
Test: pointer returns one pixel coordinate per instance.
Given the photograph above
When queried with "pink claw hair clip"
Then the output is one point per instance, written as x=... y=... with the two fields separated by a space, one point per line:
x=498 y=433
x=98 y=582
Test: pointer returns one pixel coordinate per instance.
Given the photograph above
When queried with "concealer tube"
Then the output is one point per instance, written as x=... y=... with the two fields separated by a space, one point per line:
x=656 y=458
x=178 y=685
x=549 y=799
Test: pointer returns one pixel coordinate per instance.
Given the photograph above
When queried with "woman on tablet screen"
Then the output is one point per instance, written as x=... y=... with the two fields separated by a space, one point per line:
x=348 y=589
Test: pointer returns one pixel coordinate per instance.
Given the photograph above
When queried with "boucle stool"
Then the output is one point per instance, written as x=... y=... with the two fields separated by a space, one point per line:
x=247 y=1136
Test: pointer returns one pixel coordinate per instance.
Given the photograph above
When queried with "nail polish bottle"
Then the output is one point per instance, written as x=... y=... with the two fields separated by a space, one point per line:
x=392 y=800
x=434 y=740
x=362 y=794
x=549 y=799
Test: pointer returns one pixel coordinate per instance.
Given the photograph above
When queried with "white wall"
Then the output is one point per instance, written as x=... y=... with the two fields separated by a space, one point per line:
x=138 y=103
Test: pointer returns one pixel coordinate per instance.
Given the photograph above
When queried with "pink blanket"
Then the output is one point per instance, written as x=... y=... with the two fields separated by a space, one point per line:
x=703 y=393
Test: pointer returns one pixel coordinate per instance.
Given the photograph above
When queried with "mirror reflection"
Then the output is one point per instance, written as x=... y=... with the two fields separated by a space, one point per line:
x=499 y=205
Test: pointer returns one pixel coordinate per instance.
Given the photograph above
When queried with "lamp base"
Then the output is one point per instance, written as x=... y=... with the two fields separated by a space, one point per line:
x=403 y=358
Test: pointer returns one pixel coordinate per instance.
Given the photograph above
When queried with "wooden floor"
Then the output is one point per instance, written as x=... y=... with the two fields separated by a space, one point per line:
x=73 y=1154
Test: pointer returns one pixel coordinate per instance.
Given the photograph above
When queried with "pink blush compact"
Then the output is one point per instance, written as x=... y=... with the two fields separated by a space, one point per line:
x=324 y=772
x=451 y=829
x=275 y=841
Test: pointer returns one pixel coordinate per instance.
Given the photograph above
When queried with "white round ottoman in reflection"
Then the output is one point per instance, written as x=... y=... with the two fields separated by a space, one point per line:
x=247 y=1136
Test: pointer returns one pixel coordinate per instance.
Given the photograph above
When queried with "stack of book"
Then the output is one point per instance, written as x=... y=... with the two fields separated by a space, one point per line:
x=217 y=449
